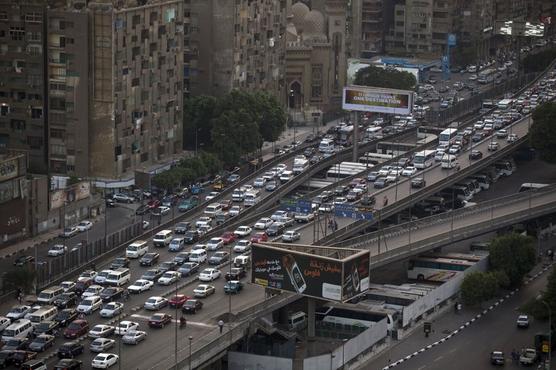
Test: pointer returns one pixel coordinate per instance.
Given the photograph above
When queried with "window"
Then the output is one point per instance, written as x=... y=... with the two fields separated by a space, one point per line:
x=57 y=149
x=316 y=81
x=34 y=49
x=17 y=33
x=135 y=20
x=57 y=133
x=3 y=16
x=33 y=17
x=36 y=113
x=4 y=110
x=35 y=142
x=17 y=124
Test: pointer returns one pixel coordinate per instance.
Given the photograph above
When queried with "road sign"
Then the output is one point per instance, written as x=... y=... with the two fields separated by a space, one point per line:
x=288 y=204
x=296 y=205
x=303 y=206
x=350 y=211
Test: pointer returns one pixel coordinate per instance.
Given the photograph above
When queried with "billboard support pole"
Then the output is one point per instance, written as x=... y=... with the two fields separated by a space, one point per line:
x=310 y=317
x=355 y=135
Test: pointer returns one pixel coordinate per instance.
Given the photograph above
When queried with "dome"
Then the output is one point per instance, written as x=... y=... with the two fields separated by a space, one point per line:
x=313 y=23
x=291 y=32
x=299 y=10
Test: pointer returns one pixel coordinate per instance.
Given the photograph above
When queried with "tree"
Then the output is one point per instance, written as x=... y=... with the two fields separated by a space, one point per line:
x=543 y=131
x=535 y=305
x=22 y=278
x=385 y=77
x=514 y=254
x=538 y=62
x=198 y=114
x=167 y=180
x=478 y=287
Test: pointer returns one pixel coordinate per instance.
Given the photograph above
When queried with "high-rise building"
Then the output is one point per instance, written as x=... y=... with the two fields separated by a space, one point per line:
x=367 y=28
x=475 y=28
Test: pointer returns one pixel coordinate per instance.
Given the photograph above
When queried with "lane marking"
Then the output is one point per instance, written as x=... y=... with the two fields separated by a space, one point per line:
x=194 y=323
x=438 y=358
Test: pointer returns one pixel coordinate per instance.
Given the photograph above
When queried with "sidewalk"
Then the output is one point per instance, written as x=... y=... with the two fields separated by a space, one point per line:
x=28 y=244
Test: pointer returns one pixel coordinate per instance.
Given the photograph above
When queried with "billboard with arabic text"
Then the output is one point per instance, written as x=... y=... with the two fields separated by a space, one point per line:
x=378 y=100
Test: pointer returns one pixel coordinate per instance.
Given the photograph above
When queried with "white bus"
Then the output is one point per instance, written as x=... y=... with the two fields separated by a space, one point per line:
x=447 y=136
x=374 y=132
x=424 y=159
x=375 y=158
x=345 y=135
x=505 y=104
x=436 y=268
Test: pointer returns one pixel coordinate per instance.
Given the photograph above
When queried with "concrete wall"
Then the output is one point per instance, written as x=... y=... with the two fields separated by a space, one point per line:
x=247 y=361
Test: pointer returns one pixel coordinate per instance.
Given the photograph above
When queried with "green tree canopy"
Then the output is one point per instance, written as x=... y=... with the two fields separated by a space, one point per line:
x=198 y=114
x=513 y=254
x=385 y=77
x=478 y=287
x=543 y=131
x=538 y=62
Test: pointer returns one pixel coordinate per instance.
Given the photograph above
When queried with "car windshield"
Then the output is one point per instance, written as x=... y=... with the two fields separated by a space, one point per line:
x=74 y=326
x=190 y=303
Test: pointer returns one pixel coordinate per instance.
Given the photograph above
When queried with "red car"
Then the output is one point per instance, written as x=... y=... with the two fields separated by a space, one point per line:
x=226 y=204
x=159 y=320
x=178 y=300
x=155 y=203
x=76 y=329
x=259 y=238
x=229 y=237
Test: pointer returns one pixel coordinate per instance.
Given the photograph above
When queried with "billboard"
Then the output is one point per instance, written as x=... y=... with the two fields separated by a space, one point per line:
x=309 y=274
x=519 y=28
x=355 y=64
x=378 y=100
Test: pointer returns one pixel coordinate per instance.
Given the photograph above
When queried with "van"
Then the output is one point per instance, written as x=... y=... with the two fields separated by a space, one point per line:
x=297 y=321
x=34 y=365
x=449 y=161
x=198 y=255
x=242 y=261
x=47 y=313
x=48 y=295
x=118 y=277
x=213 y=210
x=17 y=330
x=162 y=238
x=286 y=176
x=326 y=146
x=137 y=249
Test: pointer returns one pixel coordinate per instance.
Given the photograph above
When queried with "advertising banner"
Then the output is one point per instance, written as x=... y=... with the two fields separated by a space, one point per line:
x=307 y=274
x=378 y=100
x=9 y=169
x=356 y=276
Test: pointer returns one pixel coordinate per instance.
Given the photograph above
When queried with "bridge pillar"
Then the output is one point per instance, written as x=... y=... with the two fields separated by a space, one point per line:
x=310 y=317
x=355 y=118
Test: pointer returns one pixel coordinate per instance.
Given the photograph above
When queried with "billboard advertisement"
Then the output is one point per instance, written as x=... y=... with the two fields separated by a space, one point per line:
x=307 y=274
x=378 y=100
x=355 y=64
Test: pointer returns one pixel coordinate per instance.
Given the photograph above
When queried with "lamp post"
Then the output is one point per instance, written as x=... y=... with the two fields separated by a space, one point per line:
x=539 y=298
x=176 y=331
x=190 y=340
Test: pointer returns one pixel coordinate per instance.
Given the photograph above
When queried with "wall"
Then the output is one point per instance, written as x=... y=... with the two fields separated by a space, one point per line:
x=247 y=361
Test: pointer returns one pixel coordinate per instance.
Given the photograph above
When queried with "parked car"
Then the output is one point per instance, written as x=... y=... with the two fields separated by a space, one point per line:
x=70 y=350
x=159 y=320
x=104 y=360
x=203 y=290
x=101 y=344
x=192 y=306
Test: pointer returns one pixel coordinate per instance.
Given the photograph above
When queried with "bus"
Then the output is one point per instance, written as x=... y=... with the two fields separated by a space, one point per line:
x=424 y=159
x=345 y=135
x=374 y=132
x=350 y=317
x=531 y=186
x=505 y=104
x=436 y=269
x=375 y=158
x=345 y=169
x=447 y=136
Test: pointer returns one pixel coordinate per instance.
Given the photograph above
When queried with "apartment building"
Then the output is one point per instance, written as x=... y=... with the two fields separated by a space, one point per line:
x=367 y=27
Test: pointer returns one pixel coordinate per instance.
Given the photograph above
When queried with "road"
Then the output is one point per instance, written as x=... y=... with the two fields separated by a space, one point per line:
x=470 y=348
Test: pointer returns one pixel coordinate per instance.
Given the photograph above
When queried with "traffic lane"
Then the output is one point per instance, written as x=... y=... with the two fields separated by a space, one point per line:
x=495 y=331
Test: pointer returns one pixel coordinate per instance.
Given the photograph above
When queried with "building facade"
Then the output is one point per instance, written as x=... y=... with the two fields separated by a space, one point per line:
x=14 y=217
x=367 y=28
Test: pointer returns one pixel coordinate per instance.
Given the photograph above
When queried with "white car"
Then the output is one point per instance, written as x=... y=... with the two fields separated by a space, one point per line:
x=384 y=171
x=155 y=303
x=281 y=167
x=212 y=195
x=57 y=250
x=101 y=344
x=140 y=286
x=84 y=225
x=18 y=312
x=163 y=210
x=203 y=221
x=209 y=274
x=409 y=171
x=89 y=305
x=101 y=331
x=492 y=146
x=215 y=243
x=101 y=276
x=104 y=360
x=511 y=138
x=259 y=182
x=278 y=215
x=203 y=290
x=126 y=325
x=134 y=336
x=454 y=149
x=86 y=275
x=242 y=246
x=169 y=277
x=200 y=246
x=243 y=231
x=92 y=291
x=291 y=236
x=263 y=224
x=112 y=309
x=4 y=322
x=68 y=286
x=234 y=211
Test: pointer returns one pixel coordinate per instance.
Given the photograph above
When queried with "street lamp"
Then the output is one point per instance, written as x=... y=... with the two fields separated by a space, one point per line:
x=539 y=298
x=176 y=330
x=190 y=340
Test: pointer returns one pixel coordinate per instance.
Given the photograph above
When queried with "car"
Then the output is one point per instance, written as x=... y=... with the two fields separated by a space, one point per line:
x=263 y=223
x=260 y=237
x=177 y=300
x=159 y=320
x=142 y=210
x=233 y=287
x=182 y=227
x=203 y=290
x=215 y=243
x=192 y=306
x=101 y=276
x=110 y=203
x=276 y=229
x=243 y=231
x=168 y=266
x=140 y=286
x=522 y=321
x=169 y=277
x=204 y=229
x=160 y=211
x=149 y=259
x=188 y=204
x=65 y=316
x=176 y=245
x=528 y=356
x=19 y=357
x=15 y=344
x=101 y=331
x=409 y=171
x=211 y=195
x=271 y=185
x=259 y=182
x=104 y=360
x=477 y=137
x=18 y=312
x=234 y=211
x=5 y=358
x=209 y=274
x=152 y=274
x=111 y=294
x=233 y=178
x=380 y=182
x=119 y=262
x=501 y=134
x=65 y=300
x=76 y=329
x=124 y=326
x=68 y=232
x=112 y=309
x=228 y=237
x=41 y=343
x=454 y=149
x=218 y=258
x=86 y=275
x=57 y=250
x=23 y=261
x=169 y=201
x=101 y=344
x=235 y=273
x=91 y=291
x=475 y=154
x=134 y=337
x=123 y=198
x=84 y=225
x=242 y=246
x=512 y=138
x=188 y=269
x=497 y=358
x=291 y=236
x=181 y=258
x=70 y=350
x=155 y=303
x=203 y=221
x=492 y=146
x=418 y=183
x=46 y=327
